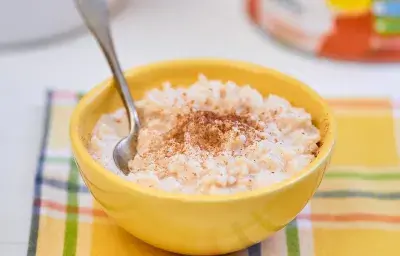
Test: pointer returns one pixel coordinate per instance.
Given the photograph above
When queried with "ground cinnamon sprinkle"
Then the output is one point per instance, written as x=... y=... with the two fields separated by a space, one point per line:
x=208 y=130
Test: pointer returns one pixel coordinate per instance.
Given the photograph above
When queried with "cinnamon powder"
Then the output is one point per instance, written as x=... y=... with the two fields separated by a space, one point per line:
x=208 y=130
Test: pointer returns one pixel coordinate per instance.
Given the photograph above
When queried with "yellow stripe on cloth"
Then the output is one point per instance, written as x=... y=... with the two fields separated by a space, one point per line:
x=364 y=171
x=59 y=132
x=356 y=242
x=51 y=236
x=360 y=225
x=362 y=140
x=84 y=241
x=373 y=186
x=355 y=205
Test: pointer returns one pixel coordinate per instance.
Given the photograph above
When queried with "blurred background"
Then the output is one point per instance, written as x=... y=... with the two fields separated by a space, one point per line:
x=341 y=48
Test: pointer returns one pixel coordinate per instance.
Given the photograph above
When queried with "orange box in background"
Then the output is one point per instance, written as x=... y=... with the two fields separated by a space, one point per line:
x=356 y=30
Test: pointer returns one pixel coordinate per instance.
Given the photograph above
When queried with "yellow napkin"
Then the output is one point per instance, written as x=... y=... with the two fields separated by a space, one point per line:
x=356 y=210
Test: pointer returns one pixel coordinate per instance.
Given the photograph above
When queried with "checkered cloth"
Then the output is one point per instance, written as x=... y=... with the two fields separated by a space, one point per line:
x=356 y=210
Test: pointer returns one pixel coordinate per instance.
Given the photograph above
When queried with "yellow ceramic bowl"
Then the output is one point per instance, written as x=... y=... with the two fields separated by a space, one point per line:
x=200 y=224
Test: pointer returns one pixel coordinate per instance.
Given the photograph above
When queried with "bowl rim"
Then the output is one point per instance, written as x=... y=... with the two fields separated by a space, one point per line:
x=78 y=147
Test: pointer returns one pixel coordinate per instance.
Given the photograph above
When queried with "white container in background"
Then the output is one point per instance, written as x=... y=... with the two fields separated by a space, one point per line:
x=25 y=21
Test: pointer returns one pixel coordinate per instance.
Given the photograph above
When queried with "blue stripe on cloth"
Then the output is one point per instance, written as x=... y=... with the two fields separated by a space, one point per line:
x=62 y=185
x=33 y=236
x=357 y=194
x=321 y=194
x=254 y=250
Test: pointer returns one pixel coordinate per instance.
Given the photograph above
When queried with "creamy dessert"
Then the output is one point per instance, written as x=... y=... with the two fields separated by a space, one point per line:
x=210 y=138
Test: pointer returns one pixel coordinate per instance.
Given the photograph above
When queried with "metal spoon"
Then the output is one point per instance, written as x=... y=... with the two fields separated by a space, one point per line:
x=96 y=16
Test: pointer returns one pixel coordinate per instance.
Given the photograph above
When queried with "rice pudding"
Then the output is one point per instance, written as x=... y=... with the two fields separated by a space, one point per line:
x=210 y=138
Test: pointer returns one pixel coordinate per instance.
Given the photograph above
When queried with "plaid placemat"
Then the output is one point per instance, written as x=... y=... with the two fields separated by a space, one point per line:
x=356 y=211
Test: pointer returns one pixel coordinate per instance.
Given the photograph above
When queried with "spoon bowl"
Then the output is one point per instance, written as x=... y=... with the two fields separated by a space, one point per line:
x=124 y=152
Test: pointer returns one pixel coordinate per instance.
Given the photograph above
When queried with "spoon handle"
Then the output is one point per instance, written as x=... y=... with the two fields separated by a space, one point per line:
x=96 y=16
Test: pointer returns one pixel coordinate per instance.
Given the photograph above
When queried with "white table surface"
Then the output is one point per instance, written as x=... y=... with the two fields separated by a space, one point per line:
x=146 y=31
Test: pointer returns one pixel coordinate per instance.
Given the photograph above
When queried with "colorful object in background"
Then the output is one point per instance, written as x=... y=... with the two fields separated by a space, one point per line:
x=358 y=30
x=356 y=210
